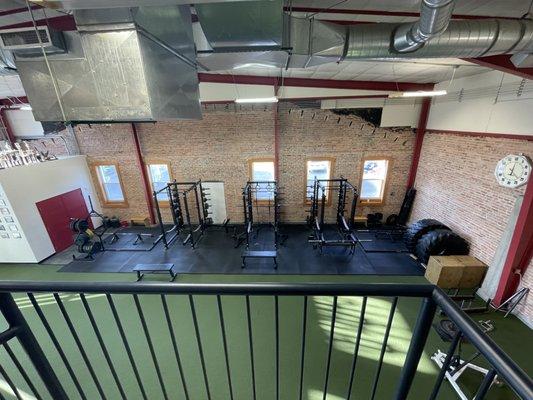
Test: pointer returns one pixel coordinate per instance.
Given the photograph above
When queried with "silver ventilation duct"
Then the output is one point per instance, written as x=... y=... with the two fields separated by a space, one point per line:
x=434 y=18
x=462 y=39
x=123 y=64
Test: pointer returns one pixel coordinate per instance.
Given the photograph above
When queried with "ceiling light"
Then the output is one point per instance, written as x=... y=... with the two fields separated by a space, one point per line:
x=254 y=65
x=25 y=107
x=419 y=93
x=258 y=100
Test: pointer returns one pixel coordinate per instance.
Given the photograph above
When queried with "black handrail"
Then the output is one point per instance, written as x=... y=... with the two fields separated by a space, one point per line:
x=252 y=289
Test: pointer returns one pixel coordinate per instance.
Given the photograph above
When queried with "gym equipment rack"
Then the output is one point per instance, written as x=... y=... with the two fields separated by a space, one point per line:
x=182 y=196
x=252 y=196
x=321 y=188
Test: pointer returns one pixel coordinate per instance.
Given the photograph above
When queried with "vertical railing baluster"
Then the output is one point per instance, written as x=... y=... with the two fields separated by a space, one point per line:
x=416 y=347
x=58 y=348
x=102 y=345
x=200 y=347
x=357 y=345
x=126 y=345
x=485 y=385
x=251 y=343
x=76 y=338
x=22 y=372
x=384 y=347
x=445 y=365
x=330 y=346
x=150 y=345
x=10 y=383
x=174 y=346
x=276 y=315
x=302 y=359
x=225 y=344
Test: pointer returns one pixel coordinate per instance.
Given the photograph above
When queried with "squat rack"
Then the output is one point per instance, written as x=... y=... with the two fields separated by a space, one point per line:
x=181 y=196
x=250 y=199
x=321 y=187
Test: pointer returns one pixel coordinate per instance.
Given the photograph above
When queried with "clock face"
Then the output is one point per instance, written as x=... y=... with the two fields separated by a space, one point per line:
x=513 y=171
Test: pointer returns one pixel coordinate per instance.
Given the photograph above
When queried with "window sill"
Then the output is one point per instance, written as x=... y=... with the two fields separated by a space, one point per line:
x=121 y=204
x=371 y=202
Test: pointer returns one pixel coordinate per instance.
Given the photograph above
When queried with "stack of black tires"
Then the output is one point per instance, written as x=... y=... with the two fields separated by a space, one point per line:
x=429 y=237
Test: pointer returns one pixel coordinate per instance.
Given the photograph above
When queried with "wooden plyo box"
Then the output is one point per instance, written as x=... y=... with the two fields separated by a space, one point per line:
x=455 y=272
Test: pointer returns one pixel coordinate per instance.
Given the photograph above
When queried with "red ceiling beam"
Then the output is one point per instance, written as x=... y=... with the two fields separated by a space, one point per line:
x=318 y=10
x=59 y=23
x=144 y=173
x=314 y=83
x=502 y=63
x=420 y=133
x=520 y=249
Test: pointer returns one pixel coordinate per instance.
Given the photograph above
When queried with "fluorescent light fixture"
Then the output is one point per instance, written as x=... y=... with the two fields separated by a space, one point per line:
x=258 y=100
x=254 y=65
x=419 y=93
x=25 y=107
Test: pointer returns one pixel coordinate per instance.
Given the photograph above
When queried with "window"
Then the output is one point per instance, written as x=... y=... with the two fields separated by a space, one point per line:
x=375 y=173
x=262 y=170
x=319 y=169
x=110 y=184
x=159 y=175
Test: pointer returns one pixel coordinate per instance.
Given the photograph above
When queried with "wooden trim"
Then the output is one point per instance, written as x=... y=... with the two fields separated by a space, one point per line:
x=332 y=161
x=100 y=187
x=383 y=200
x=155 y=161
x=528 y=138
x=250 y=161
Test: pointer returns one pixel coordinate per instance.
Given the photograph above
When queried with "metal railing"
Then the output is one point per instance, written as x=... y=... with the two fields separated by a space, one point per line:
x=41 y=336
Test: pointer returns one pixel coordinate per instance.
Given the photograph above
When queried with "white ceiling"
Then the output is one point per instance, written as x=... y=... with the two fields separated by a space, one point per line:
x=420 y=71
x=417 y=71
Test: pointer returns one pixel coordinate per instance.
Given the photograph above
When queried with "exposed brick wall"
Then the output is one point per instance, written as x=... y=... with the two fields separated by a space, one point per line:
x=456 y=185
x=114 y=143
x=219 y=146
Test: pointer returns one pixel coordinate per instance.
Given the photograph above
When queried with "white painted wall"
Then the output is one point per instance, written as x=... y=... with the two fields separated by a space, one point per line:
x=26 y=185
x=23 y=124
x=484 y=108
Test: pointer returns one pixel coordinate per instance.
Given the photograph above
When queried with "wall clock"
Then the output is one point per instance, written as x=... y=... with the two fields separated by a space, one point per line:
x=513 y=170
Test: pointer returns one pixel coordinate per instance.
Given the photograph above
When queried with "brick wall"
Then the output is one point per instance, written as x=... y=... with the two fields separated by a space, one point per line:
x=456 y=185
x=219 y=146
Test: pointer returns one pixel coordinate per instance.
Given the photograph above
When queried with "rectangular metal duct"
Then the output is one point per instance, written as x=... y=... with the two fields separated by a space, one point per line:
x=123 y=64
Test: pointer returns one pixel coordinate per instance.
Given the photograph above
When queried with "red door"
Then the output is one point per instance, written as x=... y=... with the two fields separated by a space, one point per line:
x=56 y=213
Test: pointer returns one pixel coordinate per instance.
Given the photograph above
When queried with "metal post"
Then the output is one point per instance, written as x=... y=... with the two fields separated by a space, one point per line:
x=322 y=208
x=352 y=211
x=29 y=343
x=418 y=341
x=200 y=218
x=188 y=219
x=160 y=220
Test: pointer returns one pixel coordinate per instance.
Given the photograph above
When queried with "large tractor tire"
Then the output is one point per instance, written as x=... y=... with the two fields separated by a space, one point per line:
x=440 y=242
x=418 y=229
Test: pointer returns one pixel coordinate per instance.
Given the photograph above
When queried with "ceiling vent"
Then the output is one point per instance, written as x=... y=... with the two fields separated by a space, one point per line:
x=26 y=40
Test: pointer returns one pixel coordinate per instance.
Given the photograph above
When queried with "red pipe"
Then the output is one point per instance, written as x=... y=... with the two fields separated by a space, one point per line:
x=144 y=174
x=276 y=136
x=420 y=133
x=520 y=249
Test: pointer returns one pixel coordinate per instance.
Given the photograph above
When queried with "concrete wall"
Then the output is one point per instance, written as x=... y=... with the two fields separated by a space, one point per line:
x=219 y=146
x=23 y=187
x=456 y=185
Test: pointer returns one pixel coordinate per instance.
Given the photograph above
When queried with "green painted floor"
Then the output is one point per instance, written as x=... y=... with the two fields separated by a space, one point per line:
x=510 y=334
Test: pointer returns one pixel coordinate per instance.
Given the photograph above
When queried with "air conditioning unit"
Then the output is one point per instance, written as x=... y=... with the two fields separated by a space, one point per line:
x=25 y=40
